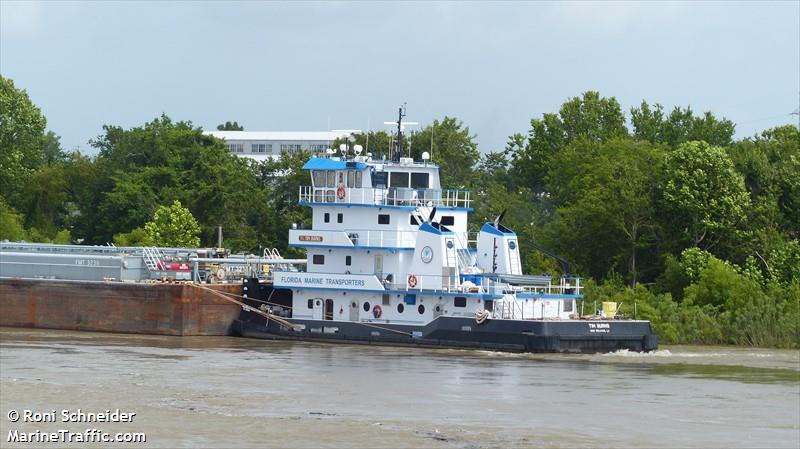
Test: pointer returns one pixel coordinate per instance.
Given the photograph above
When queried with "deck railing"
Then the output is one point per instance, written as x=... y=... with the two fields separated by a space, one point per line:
x=391 y=196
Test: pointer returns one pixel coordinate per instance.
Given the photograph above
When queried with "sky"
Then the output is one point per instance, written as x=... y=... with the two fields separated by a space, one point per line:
x=338 y=65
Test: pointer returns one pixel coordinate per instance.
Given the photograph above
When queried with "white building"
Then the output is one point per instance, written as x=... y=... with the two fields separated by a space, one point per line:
x=261 y=145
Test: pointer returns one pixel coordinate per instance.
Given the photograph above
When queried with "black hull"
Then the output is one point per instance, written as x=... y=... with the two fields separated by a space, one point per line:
x=458 y=332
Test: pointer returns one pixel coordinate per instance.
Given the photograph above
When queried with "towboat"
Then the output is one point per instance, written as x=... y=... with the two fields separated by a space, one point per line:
x=391 y=260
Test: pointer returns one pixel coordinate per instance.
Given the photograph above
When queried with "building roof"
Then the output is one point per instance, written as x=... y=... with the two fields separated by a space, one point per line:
x=282 y=135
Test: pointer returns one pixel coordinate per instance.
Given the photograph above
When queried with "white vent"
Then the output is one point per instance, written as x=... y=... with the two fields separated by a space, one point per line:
x=406 y=161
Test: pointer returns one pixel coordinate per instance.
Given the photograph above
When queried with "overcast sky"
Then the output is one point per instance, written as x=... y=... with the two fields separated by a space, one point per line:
x=317 y=66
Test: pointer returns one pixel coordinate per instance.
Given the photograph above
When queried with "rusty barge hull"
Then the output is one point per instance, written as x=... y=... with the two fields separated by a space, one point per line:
x=139 y=308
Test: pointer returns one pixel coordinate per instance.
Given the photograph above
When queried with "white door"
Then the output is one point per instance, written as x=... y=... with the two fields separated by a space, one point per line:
x=318 y=309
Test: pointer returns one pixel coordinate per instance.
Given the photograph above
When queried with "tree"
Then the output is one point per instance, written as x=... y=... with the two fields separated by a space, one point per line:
x=589 y=117
x=51 y=149
x=606 y=216
x=173 y=226
x=228 y=126
x=10 y=223
x=21 y=128
x=704 y=195
x=160 y=162
x=650 y=123
x=379 y=143
x=451 y=147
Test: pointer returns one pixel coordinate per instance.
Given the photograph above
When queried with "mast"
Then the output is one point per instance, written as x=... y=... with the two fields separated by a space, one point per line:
x=398 y=151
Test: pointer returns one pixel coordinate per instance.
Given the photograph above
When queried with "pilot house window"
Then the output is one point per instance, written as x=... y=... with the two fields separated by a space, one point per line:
x=419 y=180
x=398 y=179
x=460 y=301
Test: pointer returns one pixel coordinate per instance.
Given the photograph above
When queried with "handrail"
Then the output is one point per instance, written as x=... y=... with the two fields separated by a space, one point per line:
x=391 y=196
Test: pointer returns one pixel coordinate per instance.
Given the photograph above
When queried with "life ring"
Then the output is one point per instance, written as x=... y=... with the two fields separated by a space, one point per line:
x=412 y=281
x=377 y=311
x=340 y=192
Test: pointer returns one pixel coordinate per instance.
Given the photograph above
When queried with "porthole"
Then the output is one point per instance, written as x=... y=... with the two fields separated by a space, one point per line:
x=438 y=309
x=421 y=309
x=366 y=307
x=354 y=304
x=400 y=308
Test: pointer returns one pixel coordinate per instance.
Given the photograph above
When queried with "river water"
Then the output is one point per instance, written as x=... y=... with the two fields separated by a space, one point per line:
x=224 y=391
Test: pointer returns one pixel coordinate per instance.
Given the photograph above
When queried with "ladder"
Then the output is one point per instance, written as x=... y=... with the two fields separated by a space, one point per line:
x=153 y=258
x=514 y=266
x=465 y=258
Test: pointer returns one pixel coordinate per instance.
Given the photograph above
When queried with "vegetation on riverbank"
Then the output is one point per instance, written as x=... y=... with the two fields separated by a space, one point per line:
x=662 y=209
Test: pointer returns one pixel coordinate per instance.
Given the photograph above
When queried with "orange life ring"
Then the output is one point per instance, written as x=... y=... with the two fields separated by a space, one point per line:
x=412 y=281
x=340 y=192
x=377 y=311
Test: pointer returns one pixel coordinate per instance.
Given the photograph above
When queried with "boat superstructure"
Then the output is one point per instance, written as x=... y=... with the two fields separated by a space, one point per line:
x=391 y=259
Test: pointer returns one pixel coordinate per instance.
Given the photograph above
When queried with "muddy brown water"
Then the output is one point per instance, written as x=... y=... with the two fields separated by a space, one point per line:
x=224 y=391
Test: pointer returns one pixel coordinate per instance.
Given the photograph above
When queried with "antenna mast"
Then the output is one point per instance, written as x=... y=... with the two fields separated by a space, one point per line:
x=397 y=151
x=401 y=112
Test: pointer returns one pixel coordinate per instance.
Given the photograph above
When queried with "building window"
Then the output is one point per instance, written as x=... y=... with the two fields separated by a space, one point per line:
x=318 y=147
x=460 y=301
x=236 y=147
x=291 y=148
x=348 y=260
x=319 y=259
x=339 y=218
x=261 y=148
x=327 y=217
x=383 y=218
x=419 y=180
x=448 y=220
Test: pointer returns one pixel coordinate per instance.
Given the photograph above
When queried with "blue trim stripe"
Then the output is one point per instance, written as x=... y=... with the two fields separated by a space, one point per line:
x=399 y=292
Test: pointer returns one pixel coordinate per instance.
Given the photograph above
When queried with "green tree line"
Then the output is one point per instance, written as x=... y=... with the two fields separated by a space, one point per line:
x=660 y=208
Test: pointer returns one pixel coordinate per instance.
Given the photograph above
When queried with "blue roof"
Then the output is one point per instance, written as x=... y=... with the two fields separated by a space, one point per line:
x=322 y=163
x=426 y=227
x=488 y=227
